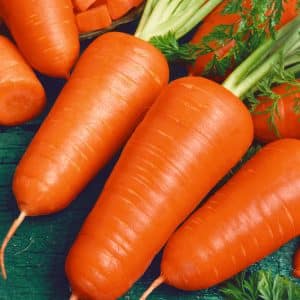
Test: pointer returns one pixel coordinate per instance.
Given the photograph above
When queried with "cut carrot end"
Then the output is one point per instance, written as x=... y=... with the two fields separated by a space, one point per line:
x=15 y=225
x=74 y=297
x=155 y=284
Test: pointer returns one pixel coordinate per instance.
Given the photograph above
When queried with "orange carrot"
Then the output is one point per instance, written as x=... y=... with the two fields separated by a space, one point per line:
x=251 y=216
x=114 y=83
x=217 y=18
x=93 y=19
x=45 y=32
x=186 y=143
x=118 y=8
x=286 y=120
x=22 y=96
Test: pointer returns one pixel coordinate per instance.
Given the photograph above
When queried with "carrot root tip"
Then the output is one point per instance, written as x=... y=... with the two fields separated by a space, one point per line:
x=16 y=224
x=155 y=284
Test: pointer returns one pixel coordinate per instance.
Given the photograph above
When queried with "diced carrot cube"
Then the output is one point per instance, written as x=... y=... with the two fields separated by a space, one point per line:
x=118 y=8
x=83 y=5
x=93 y=19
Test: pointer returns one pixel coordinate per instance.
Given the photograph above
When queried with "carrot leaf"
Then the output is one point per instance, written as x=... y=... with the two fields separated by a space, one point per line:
x=261 y=285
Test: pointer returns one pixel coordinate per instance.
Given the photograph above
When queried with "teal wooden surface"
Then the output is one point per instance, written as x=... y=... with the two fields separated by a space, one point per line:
x=35 y=256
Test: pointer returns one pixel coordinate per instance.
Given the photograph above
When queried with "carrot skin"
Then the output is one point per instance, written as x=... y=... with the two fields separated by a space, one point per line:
x=45 y=32
x=286 y=121
x=114 y=83
x=184 y=145
x=22 y=97
x=251 y=216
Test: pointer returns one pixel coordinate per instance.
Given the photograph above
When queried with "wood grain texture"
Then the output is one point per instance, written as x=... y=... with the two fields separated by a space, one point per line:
x=35 y=256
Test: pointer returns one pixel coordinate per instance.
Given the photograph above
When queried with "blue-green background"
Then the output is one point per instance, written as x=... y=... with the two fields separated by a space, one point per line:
x=35 y=256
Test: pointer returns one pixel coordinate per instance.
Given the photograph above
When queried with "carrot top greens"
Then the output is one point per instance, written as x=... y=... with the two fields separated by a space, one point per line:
x=258 y=21
x=261 y=285
x=176 y=16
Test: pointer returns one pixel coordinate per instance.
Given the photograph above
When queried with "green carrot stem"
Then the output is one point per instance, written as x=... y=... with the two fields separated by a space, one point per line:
x=261 y=61
x=177 y=16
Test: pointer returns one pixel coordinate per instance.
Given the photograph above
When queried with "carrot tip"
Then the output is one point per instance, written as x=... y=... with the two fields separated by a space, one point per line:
x=7 y=238
x=155 y=284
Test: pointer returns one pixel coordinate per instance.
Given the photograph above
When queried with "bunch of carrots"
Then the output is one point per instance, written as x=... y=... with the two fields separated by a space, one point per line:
x=180 y=138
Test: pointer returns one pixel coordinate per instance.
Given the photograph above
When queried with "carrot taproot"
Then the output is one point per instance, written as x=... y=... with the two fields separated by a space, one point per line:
x=83 y=5
x=113 y=84
x=118 y=8
x=93 y=19
x=286 y=119
x=45 y=32
x=252 y=215
x=296 y=261
x=186 y=143
x=218 y=18
x=22 y=97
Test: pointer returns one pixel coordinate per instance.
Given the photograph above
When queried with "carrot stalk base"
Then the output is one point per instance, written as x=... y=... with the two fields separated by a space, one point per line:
x=155 y=284
x=16 y=224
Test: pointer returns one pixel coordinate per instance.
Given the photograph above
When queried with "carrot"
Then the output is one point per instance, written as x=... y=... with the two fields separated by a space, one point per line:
x=115 y=81
x=217 y=18
x=252 y=215
x=45 y=32
x=175 y=156
x=93 y=19
x=296 y=271
x=22 y=95
x=82 y=5
x=286 y=119
x=118 y=8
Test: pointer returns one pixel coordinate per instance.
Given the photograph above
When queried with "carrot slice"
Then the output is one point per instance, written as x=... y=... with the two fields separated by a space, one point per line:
x=83 y=5
x=93 y=19
x=118 y=8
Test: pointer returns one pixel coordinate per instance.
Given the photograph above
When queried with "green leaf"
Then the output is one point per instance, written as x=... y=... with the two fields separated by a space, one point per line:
x=261 y=285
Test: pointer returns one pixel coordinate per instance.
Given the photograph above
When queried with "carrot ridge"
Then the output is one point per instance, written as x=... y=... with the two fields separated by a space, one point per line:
x=154 y=285
x=15 y=225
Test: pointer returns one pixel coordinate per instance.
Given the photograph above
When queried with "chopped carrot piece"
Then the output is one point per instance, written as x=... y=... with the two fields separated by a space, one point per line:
x=83 y=5
x=118 y=8
x=93 y=19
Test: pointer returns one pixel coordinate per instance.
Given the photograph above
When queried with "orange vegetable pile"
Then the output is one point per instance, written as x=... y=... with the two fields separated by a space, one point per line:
x=92 y=15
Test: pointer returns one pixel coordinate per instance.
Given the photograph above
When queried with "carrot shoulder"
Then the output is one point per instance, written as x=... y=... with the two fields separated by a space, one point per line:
x=22 y=96
x=45 y=32
x=184 y=145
